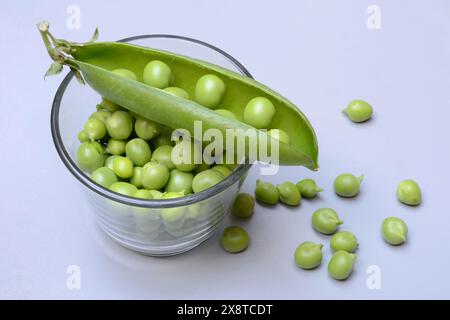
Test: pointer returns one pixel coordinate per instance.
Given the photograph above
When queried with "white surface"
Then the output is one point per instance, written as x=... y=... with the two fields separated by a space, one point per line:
x=319 y=54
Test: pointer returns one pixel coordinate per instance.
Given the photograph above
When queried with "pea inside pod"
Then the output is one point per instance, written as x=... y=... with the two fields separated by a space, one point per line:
x=96 y=60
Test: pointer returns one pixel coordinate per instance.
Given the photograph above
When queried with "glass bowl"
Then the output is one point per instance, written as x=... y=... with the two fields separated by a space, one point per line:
x=151 y=227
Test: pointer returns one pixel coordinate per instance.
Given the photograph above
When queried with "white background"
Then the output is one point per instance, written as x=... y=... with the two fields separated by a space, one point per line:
x=319 y=54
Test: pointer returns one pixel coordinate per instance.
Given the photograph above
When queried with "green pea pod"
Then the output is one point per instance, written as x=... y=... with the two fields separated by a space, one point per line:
x=94 y=61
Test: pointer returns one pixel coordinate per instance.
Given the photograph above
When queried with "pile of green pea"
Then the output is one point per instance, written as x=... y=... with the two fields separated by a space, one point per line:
x=308 y=255
x=131 y=155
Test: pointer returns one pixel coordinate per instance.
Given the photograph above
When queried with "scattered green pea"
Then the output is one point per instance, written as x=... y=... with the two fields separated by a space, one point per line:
x=280 y=135
x=308 y=188
x=209 y=91
x=179 y=181
x=119 y=125
x=124 y=188
x=325 y=220
x=243 y=206
x=408 y=192
x=266 y=192
x=104 y=177
x=157 y=74
x=154 y=175
x=394 y=231
x=226 y=113
x=347 y=185
x=136 y=178
x=259 y=112
x=138 y=151
x=123 y=167
x=234 y=239
x=289 y=193
x=116 y=147
x=95 y=129
x=344 y=240
x=358 y=111
x=341 y=264
x=178 y=92
x=82 y=136
x=146 y=129
x=125 y=73
x=308 y=255
x=90 y=156
x=205 y=180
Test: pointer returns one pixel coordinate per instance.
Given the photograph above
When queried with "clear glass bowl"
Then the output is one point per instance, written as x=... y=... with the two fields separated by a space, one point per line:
x=152 y=227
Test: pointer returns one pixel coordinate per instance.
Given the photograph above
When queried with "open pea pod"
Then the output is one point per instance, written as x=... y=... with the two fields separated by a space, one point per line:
x=95 y=61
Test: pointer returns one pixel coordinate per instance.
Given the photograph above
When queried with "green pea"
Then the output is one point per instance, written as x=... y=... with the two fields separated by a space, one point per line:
x=341 y=264
x=289 y=193
x=162 y=139
x=205 y=180
x=101 y=115
x=347 y=185
x=234 y=239
x=259 y=112
x=104 y=177
x=154 y=175
x=182 y=162
x=109 y=161
x=201 y=167
x=173 y=218
x=308 y=255
x=408 y=192
x=123 y=167
x=325 y=220
x=143 y=194
x=125 y=73
x=308 y=188
x=222 y=169
x=243 y=206
x=344 y=240
x=358 y=111
x=146 y=129
x=95 y=129
x=179 y=181
x=209 y=91
x=136 y=178
x=394 y=231
x=266 y=192
x=119 y=125
x=157 y=74
x=108 y=106
x=226 y=113
x=163 y=154
x=280 y=135
x=90 y=156
x=116 y=147
x=82 y=136
x=124 y=188
x=138 y=151
x=178 y=92
x=156 y=194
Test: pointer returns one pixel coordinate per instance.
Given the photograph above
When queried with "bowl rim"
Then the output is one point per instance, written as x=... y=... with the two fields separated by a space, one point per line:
x=82 y=177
